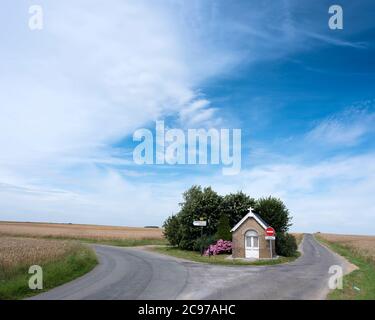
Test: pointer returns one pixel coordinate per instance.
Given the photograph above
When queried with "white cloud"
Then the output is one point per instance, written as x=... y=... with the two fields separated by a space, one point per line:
x=93 y=75
x=97 y=72
x=108 y=199
x=332 y=196
x=335 y=41
x=199 y=113
x=346 y=128
x=335 y=195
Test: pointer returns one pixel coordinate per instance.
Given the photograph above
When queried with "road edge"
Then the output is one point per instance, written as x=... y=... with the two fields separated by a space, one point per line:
x=348 y=266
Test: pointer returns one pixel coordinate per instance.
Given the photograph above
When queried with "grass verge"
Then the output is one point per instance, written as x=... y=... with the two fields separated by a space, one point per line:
x=219 y=259
x=70 y=267
x=359 y=284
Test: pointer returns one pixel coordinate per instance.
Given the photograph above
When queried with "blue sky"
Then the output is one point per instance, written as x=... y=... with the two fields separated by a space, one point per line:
x=73 y=93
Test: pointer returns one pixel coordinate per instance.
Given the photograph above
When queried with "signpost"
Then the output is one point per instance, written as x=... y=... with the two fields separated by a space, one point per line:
x=200 y=223
x=270 y=235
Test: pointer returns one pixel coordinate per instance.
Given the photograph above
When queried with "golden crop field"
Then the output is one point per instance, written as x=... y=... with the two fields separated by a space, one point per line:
x=298 y=236
x=19 y=252
x=78 y=231
x=363 y=245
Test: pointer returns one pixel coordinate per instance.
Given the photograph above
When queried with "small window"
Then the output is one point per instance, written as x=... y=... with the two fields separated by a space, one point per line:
x=255 y=242
x=248 y=242
x=251 y=233
x=251 y=239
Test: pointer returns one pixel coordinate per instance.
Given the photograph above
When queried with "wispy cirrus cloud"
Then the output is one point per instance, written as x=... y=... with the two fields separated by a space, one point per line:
x=335 y=41
x=334 y=195
x=91 y=77
x=71 y=93
x=346 y=128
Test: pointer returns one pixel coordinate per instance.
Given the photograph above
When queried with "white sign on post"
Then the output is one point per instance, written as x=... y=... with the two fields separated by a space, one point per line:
x=200 y=223
x=270 y=237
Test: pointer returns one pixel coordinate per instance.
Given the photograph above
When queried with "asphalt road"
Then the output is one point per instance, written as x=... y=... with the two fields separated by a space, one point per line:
x=130 y=273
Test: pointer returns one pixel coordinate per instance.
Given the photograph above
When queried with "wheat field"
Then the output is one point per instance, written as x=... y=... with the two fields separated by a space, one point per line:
x=78 y=231
x=298 y=236
x=363 y=245
x=16 y=253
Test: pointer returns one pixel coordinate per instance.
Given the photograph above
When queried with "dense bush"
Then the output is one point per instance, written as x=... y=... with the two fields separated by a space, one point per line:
x=172 y=230
x=286 y=244
x=203 y=242
x=223 y=228
x=198 y=203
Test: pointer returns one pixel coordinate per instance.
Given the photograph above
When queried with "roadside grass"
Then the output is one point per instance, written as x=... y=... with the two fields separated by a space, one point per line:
x=14 y=285
x=219 y=259
x=362 y=278
x=110 y=242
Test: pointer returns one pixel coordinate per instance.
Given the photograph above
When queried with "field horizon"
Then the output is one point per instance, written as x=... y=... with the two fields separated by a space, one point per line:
x=79 y=231
x=152 y=227
x=80 y=224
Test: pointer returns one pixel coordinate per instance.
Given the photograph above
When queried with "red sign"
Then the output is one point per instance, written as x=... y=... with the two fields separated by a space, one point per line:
x=270 y=232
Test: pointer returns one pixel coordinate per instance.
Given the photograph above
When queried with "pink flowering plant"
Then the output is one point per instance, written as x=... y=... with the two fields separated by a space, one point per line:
x=221 y=246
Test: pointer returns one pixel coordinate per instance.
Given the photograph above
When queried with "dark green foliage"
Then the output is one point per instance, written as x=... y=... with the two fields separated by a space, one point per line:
x=286 y=244
x=223 y=228
x=203 y=242
x=236 y=206
x=198 y=204
x=205 y=204
x=221 y=214
x=172 y=230
x=274 y=212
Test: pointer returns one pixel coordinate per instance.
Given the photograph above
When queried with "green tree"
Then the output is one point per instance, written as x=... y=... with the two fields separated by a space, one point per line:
x=223 y=228
x=198 y=203
x=274 y=212
x=172 y=230
x=236 y=206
